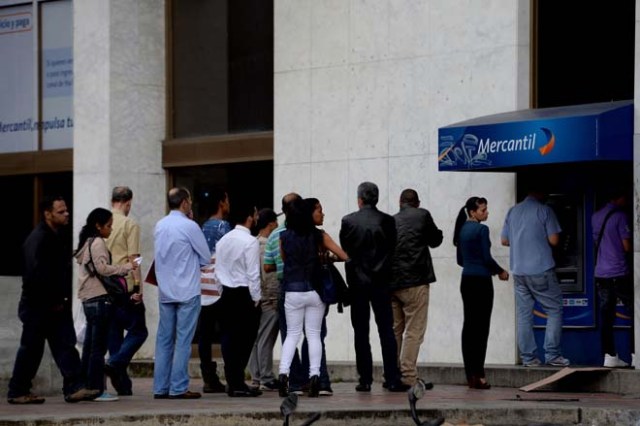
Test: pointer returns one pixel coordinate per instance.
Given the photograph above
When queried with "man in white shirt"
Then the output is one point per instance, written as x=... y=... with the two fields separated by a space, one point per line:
x=238 y=270
x=180 y=251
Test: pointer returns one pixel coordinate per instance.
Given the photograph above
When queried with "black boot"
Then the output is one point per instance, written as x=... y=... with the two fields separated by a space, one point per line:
x=314 y=386
x=283 y=388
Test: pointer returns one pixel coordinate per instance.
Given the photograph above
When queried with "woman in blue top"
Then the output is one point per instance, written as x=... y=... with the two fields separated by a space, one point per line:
x=471 y=238
x=300 y=245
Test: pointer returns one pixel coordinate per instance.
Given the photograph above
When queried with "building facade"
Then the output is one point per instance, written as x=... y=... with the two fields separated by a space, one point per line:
x=152 y=93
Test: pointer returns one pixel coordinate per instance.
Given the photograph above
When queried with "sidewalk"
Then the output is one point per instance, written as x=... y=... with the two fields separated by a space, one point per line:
x=457 y=404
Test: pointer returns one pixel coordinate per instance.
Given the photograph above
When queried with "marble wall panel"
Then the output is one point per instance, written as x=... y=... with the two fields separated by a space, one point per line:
x=369 y=30
x=326 y=178
x=370 y=170
x=471 y=25
x=369 y=110
x=409 y=31
x=409 y=109
x=292 y=34
x=329 y=113
x=292 y=117
x=290 y=178
x=329 y=33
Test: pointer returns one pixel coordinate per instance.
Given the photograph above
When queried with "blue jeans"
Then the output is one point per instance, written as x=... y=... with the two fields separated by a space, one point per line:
x=176 y=328
x=99 y=312
x=544 y=289
x=129 y=317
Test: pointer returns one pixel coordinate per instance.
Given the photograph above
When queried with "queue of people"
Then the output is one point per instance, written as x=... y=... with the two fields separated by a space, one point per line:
x=271 y=284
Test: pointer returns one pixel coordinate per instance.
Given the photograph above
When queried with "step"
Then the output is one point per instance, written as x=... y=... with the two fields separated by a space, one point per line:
x=618 y=381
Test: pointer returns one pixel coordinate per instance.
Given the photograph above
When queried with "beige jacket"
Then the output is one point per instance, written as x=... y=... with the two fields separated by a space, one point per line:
x=88 y=286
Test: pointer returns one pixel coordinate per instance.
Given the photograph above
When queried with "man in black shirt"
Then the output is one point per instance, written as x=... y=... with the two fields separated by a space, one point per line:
x=45 y=309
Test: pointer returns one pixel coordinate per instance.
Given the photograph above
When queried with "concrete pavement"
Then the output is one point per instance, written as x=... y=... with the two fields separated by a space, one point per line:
x=456 y=403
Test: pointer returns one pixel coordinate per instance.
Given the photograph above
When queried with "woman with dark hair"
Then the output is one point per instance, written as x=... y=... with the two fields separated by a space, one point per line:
x=473 y=244
x=300 y=245
x=94 y=259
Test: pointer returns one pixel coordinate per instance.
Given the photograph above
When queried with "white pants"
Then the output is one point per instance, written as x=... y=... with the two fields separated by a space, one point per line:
x=303 y=308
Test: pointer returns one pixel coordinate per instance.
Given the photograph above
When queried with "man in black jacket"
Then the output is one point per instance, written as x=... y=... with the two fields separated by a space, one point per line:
x=369 y=237
x=45 y=309
x=412 y=272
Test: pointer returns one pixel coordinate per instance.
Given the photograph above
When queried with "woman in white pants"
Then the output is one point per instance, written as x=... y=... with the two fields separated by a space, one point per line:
x=300 y=245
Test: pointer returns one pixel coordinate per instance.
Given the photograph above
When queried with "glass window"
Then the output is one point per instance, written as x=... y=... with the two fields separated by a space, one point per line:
x=36 y=107
x=222 y=67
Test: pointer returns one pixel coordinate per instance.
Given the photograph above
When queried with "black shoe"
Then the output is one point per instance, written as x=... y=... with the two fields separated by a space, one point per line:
x=186 y=395
x=398 y=387
x=125 y=392
x=363 y=387
x=244 y=393
x=427 y=385
x=214 y=386
x=314 y=386
x=273 y=385
x=114 y=374
x=283 y=389
x=161 y=396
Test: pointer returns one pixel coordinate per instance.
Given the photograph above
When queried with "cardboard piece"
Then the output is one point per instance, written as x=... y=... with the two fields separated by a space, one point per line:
x=562 y=374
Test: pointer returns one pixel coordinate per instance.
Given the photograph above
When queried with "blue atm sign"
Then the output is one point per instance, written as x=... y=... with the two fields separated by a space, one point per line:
x=557 y=135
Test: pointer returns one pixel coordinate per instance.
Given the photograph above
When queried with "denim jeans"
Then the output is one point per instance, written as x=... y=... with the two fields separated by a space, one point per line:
x=303 y=308
x=609 y=291
x=544 y=289
x=99 y=312
x=129 y=318
x=176 y=328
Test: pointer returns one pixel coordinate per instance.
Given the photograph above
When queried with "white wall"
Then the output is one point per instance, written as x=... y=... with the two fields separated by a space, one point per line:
x=361 y=87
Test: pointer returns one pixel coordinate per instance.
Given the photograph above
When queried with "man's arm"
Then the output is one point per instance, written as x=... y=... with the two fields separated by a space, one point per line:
x=434 y=235
x=271 y=250
x=252 y=259
x=554 y=239
x=133 y=249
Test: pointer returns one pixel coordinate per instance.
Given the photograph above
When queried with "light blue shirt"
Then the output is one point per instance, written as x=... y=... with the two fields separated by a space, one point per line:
x=527 y=227
x=180 y=251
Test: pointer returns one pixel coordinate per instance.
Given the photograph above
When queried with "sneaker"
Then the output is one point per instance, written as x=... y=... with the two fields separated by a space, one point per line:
x=325 y=391
x=559 y=361
x=82 y=395
x=612 y=361
x=533 y=363
x=26 y=399
x=273 y=385
x=106 y=397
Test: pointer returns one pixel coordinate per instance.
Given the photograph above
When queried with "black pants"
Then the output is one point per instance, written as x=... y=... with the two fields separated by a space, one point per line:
x=57 y=329
x=609 y=291
x=477 y=300
x=208 y=330
x=378 y=298
x=240 y=319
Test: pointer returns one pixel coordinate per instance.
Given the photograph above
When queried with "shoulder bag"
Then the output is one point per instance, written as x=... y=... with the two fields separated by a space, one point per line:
x=115 y=285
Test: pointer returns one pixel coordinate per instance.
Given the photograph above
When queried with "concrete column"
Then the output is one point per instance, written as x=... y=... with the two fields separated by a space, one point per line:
x=119 y=110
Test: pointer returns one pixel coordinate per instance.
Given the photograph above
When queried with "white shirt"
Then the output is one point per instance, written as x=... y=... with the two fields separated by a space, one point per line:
x=238 y=261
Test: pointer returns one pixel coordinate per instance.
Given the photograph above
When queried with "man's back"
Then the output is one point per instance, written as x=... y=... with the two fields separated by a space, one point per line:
x=611 y=257
x=369 y=237
x=416 y=232
x=124 y=240
x=527 y=227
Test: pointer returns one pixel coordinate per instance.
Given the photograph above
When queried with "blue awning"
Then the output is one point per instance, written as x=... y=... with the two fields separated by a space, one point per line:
x=592 y=132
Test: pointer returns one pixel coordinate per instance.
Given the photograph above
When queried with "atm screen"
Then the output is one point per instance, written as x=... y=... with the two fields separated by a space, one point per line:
x=568 y=253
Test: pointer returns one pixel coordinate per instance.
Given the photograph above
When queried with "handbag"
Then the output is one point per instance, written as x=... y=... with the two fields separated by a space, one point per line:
x=333 y=288
x=115 y=285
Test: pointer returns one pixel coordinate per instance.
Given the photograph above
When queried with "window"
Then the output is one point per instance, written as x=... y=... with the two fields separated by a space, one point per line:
x=222 y=67
x=36 y=112
x=584 y=52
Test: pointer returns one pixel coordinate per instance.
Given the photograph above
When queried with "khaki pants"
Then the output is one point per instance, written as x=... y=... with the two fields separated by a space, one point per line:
x=410 y=308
